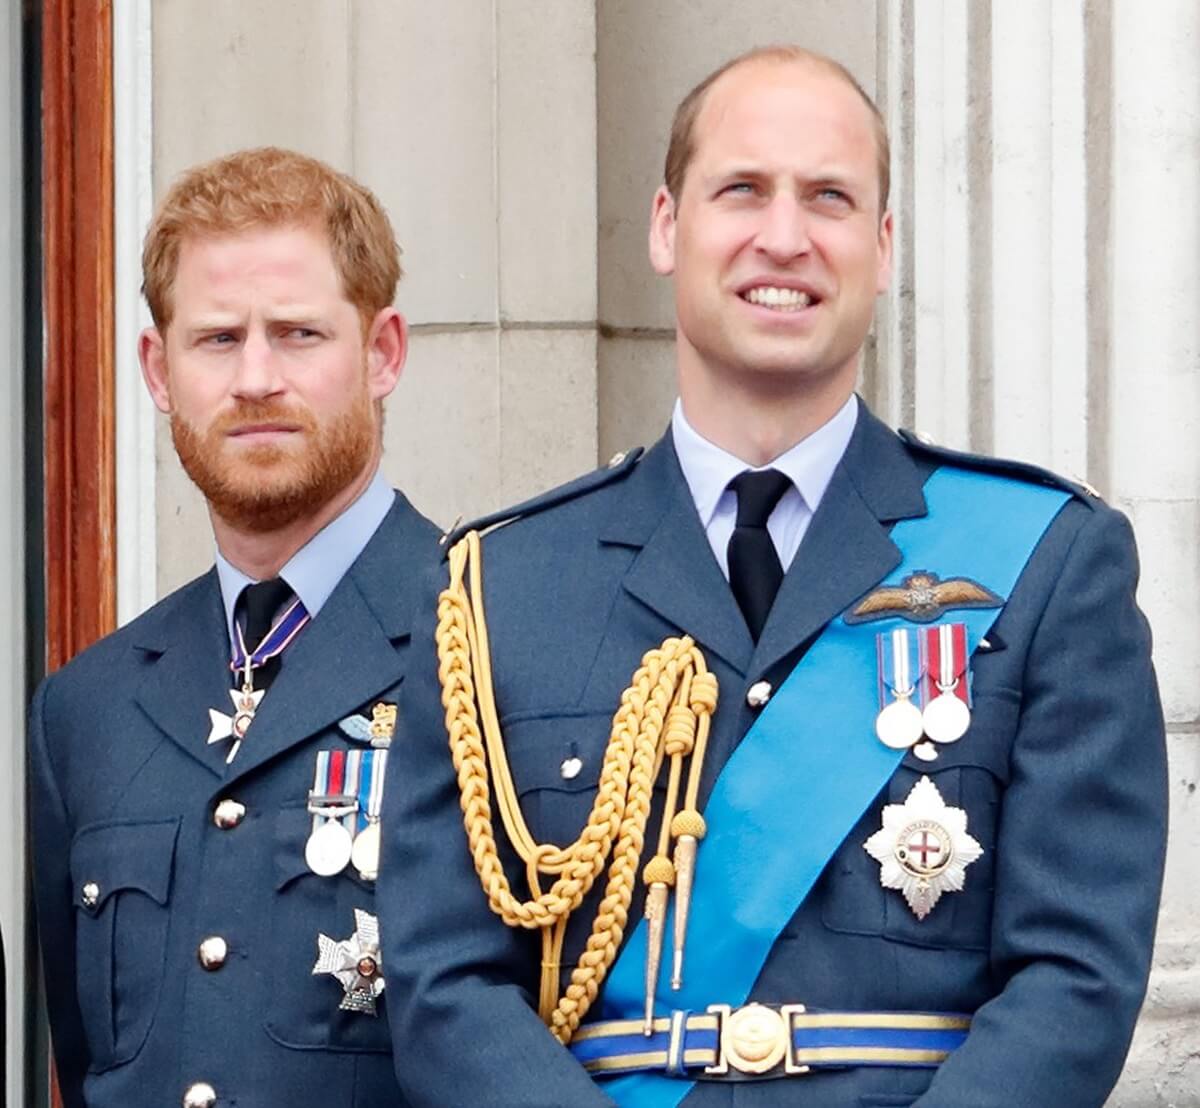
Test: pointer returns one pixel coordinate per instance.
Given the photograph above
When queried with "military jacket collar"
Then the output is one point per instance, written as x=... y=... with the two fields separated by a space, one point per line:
x=340 y=661
x=844 y=553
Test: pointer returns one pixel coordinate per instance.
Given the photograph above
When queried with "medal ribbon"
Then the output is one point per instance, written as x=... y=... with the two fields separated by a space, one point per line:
x=329 y=793
x=813 y=750
x=900 y=669
x=294 y=618
x=370 y=789
x=944 y=662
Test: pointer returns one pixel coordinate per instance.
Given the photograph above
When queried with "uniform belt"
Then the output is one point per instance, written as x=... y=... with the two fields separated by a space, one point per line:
x=758 y=1041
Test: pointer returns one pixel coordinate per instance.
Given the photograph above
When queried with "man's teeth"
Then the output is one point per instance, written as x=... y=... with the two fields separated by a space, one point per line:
x=768 y=296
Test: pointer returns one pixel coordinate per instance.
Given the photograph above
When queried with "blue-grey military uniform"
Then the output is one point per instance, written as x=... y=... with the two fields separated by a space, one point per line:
x=177 y=917
x=1062 y=777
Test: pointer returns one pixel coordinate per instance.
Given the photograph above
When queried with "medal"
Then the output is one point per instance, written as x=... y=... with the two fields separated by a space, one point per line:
x=947 y=715
x=334 y=808
x=222 y=726
x=356 y=962
x=247 y=699
x=328 y=849
x=899 y=724
x=366 y=852
x=370 y=799
x=923 y=848
x=946 y=718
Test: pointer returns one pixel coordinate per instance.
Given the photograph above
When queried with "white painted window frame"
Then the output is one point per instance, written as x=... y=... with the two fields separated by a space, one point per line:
x=133 y=151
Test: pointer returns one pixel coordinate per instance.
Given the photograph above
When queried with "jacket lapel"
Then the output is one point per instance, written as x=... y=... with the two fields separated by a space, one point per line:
x=847 y=548
x=675 y=573
x=188 y=669
x=352 y=650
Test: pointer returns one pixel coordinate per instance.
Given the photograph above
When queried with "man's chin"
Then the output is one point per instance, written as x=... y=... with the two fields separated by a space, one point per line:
x=260 y=510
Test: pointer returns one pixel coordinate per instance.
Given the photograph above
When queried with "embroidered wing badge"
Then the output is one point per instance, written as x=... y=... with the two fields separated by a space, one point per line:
x=922 y=597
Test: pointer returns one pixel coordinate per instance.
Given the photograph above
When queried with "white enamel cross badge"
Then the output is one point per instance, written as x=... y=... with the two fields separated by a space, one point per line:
x=923 y=848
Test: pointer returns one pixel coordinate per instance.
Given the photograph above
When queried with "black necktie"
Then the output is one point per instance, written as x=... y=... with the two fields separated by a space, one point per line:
x=754 y=569
x=260 y=604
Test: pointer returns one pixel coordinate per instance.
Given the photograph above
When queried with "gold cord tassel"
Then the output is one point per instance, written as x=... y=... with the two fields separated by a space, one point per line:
x=660 y=876
x=688 y=828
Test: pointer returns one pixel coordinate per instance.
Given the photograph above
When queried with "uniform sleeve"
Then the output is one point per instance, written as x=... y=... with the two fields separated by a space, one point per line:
x=463 y=1028
x=1079 y=848
x=54 y=904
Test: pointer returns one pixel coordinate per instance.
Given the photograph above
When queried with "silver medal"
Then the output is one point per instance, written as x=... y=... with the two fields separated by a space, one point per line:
x=328 y=849
x=900 y=725
x=365 y=853
x=946 y=718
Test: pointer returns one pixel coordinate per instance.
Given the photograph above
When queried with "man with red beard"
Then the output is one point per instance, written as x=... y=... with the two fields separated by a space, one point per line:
x=207 y=780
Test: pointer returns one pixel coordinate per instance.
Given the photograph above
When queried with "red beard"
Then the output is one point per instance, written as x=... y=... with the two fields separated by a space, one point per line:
x=264 y=488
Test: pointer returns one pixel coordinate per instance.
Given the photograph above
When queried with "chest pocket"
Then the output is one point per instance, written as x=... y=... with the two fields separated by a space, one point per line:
x=303 y=1010
x=121 y=875
x=555 y=763
x=970 y=774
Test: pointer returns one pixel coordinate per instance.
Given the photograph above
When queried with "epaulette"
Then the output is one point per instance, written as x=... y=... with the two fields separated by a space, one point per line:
x=618 y=466
x=1006 y=467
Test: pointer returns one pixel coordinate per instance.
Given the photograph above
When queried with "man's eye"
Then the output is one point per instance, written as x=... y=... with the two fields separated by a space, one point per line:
x=302 y=333
x=834 y=195
x=738 y=188
x=221 y=338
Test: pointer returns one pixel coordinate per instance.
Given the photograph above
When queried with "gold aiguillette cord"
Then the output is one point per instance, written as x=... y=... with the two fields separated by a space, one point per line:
x=664 y=713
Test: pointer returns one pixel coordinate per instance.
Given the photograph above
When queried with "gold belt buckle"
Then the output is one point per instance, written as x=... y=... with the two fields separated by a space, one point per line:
x=755 y=1038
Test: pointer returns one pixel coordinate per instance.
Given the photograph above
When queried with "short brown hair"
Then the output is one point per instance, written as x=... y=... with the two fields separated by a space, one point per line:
x=270 y=187
x=682 y=148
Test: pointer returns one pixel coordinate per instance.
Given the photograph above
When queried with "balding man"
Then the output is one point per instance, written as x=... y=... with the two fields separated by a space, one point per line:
x=801 y=762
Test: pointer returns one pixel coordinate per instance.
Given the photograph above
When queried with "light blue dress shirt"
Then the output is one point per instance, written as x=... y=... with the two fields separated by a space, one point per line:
x=315 y=569
x=810 y=464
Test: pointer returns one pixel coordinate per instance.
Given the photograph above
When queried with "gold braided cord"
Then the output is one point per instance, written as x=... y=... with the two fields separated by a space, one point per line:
x=663 y=714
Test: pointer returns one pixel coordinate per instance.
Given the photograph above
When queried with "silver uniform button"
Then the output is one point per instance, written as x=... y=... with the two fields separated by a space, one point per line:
x=758 y=694
x=89 y=895
x=570 y=768
x=617 y=459
x=212 y=952
x=200 y=1095
x=228 y=814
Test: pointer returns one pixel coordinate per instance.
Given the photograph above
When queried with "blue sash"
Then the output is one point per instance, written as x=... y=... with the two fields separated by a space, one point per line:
x=752 y=872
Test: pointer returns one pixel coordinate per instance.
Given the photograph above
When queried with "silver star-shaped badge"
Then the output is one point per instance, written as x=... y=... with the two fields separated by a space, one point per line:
x=222 y=726
x=923 y=848
x=355 y=962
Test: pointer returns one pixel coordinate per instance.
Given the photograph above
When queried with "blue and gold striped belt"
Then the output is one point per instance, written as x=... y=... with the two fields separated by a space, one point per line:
x=767 y=1040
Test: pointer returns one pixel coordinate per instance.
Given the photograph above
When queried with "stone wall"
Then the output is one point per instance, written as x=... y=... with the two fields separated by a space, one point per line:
x=1047 y=195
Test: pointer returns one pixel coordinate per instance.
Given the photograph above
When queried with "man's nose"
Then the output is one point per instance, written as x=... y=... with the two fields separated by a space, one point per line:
x=258 y=370
x=784 y=232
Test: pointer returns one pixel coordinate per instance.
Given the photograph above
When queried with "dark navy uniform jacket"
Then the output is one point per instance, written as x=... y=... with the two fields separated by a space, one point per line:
x=124 y=791
x=1062 y=777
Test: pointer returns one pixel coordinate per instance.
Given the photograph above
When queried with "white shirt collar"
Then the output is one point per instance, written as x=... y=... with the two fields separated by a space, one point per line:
x=809 y=464
x=315 y=569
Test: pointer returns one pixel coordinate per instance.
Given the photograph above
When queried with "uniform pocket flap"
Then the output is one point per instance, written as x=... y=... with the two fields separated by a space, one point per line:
x=107 y=858
x=986 y=745
x=563 y=752
x=292 y=828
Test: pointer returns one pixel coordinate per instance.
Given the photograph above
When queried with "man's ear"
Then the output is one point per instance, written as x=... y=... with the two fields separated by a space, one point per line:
x=662 y=232
x=884 y=273
x=387 y=349
x=152 y=355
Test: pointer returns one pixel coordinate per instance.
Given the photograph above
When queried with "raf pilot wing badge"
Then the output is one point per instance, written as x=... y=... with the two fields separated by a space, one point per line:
x=922 y=597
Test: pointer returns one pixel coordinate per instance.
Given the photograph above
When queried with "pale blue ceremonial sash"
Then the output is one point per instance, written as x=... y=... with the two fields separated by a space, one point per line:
x=803 y=775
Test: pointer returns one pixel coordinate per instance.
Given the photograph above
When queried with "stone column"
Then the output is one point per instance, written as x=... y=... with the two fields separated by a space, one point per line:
x=1045 y=308
x=1152 y=420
